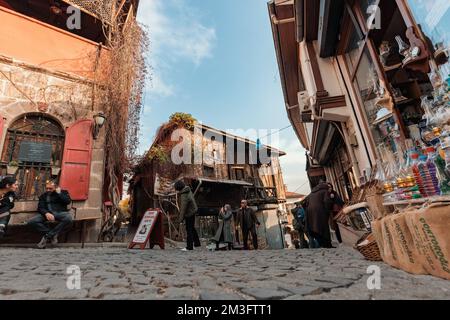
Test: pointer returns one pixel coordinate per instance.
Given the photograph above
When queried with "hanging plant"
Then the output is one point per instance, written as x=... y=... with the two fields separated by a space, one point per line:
x=158 y=153
x=184 y=120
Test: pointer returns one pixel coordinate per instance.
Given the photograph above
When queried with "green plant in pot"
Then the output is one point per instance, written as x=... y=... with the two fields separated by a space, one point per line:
x=12 y=167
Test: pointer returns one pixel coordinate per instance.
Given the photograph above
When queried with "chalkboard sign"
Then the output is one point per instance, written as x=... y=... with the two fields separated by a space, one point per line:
x=40 y=152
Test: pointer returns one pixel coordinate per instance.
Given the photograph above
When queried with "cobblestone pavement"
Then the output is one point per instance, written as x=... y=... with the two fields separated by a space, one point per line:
x=116 y=273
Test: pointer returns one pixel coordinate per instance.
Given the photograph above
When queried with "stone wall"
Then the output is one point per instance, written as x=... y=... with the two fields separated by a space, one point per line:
x=67 y=99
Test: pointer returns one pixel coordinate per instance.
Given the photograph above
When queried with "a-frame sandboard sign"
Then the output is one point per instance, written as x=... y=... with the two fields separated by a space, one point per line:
x=150 y=230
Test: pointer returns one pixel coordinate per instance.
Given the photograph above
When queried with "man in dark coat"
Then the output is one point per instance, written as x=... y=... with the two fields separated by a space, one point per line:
x=246 y=218
x=318 y=214
x=188 y=209
x=338 y=204
x=52 y=207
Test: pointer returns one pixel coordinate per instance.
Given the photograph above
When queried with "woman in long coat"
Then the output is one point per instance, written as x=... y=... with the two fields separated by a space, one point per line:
x=225 y=231
x=318 y=214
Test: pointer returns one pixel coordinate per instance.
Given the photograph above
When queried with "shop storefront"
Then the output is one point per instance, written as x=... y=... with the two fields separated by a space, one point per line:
x=397 y=62
x=398 y=73
x=379 y=71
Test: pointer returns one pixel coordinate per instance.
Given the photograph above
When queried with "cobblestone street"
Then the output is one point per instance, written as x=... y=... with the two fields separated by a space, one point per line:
x=116 y=273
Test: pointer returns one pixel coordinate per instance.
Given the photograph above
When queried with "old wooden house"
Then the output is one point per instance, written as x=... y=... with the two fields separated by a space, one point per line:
x=221 y=168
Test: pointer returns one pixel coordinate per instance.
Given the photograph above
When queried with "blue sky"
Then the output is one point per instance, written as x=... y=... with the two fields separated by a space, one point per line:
x=216 y=60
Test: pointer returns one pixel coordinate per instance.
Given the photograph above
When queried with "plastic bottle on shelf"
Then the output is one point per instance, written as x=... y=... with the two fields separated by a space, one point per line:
x=416 y=173
x=432 y=169
x=443 y=165
x=446 y=148
x=425 y=176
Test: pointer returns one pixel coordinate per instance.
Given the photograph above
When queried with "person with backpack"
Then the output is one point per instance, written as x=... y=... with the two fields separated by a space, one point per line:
x=299 y=224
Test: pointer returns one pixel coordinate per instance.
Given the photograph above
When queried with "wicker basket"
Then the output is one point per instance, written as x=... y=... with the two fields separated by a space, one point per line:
x=368 y=247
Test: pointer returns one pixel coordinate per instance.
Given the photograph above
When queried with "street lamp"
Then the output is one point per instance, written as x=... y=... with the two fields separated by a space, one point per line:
x=99 y=121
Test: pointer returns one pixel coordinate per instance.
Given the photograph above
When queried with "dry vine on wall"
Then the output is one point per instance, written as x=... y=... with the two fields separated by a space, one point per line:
x=120 y=98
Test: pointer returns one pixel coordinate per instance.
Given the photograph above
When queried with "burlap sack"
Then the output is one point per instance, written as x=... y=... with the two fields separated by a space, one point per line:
x=408 y=258
x=375 y=202
x=430 y=230
x=377 y=232
x=390 y=255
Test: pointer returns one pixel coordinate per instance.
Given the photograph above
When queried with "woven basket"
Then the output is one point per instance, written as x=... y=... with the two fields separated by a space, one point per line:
x=368 y=247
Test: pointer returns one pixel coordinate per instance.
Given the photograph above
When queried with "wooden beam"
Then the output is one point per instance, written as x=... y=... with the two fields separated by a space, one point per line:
x=316 y=70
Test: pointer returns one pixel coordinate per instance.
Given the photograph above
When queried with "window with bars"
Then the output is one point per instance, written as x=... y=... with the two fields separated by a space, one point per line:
x=36 y=144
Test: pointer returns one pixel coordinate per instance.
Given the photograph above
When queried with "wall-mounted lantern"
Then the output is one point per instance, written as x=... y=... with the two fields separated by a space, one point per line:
x=99 y=121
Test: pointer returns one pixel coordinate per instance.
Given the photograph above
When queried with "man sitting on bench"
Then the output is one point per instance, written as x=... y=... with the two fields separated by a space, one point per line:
x=52 y=207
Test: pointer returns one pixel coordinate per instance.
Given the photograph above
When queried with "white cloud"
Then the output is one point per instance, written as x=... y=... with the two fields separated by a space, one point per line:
x=159 y=87
x=174 y=37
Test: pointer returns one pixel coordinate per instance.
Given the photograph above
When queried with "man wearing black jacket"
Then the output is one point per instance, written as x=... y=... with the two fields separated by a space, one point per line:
x=52 y=207
x=248 y=221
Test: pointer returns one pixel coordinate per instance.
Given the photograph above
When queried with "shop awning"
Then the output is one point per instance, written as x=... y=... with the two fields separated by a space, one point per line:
x=326 y=139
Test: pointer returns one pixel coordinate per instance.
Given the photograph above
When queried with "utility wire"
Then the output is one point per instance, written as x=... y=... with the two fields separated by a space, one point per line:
x=301 y=186
x=276 y=132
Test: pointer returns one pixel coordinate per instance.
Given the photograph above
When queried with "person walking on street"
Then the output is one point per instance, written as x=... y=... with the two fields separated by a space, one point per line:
x=225 y=231
x=8 y=187
x=338 y=204
x=299 y=224
x=188 y=210
x=52 y=207
x=247 y=220
x=318 y=215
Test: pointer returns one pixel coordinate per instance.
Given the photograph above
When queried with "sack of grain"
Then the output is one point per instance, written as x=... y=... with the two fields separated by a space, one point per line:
x=408 y=257
x=390 y=254
x=430 y=231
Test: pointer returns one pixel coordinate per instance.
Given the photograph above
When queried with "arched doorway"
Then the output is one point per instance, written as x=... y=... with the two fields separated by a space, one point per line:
x=35 y=142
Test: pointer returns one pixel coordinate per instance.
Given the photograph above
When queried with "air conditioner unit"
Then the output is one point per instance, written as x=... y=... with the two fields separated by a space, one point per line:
x=306 y=103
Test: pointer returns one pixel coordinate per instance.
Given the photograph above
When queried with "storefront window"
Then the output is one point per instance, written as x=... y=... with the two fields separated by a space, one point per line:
x=354 y=45
x=434 y=19
x=383 y=126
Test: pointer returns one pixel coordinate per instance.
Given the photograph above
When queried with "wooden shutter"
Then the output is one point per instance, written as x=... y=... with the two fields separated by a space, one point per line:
x=76 y=166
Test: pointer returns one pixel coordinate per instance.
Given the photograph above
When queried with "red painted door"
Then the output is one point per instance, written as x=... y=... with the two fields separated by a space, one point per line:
x=76 y=167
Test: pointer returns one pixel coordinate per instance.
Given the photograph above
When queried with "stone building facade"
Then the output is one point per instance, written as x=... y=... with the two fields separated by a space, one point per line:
x=60 y=97
x=49 y=99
